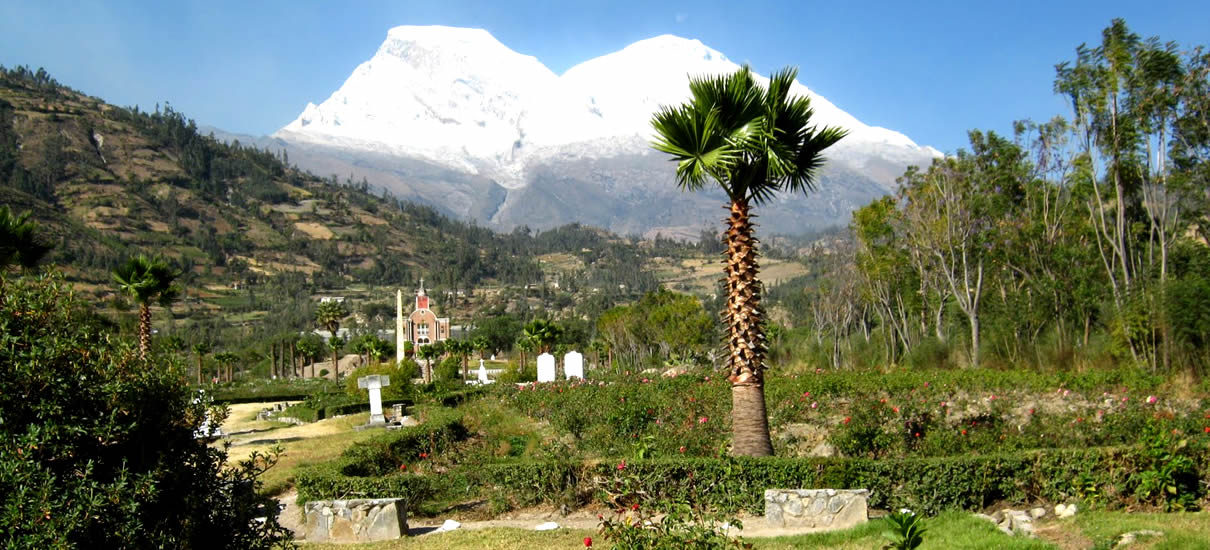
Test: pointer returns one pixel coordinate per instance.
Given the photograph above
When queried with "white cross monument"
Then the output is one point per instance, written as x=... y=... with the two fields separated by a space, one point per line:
x=375 y=383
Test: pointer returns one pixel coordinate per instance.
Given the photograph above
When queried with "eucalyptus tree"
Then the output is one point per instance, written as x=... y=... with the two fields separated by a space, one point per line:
x=146 y=280
x=754 y=142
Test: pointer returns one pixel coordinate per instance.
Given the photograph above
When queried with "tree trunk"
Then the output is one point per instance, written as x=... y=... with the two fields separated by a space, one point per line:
x=199 y=369
x=974 y=340
x=749 y=421
x=144 y=330
x=745 y=337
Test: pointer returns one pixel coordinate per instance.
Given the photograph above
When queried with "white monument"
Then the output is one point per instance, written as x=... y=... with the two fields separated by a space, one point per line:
x=399 y=355
x=573 y=365
x=546 y=368
x=375 y=383
x=483 y=374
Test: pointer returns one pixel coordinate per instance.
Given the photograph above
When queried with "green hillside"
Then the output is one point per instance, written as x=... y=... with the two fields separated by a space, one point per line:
x=256 y=239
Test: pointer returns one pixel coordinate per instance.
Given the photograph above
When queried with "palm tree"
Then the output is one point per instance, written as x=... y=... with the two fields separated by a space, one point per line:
x=380 y=349
x=226 y=359
x=753 y=142
x=336 y=343
x=146 y=280
x=429 y=352
x=310 y=350
x=200 y=349
x=461 y=349
x=481 y=345
x=524 y=344
x=329 y=315
x=544 y=333
x=18 y=240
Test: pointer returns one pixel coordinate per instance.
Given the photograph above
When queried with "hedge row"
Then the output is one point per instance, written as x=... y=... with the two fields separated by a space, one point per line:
x=734 y=484
x=362 y=469
x=309 y=412
x=293 y=390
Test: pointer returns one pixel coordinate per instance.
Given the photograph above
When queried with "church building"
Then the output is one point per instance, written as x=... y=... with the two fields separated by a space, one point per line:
x=421 y=327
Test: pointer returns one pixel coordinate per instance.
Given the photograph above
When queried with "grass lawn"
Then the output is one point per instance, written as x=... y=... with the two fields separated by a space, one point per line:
x=305 y=444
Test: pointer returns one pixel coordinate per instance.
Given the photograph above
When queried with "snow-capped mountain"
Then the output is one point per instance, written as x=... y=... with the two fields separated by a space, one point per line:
x=448 y=104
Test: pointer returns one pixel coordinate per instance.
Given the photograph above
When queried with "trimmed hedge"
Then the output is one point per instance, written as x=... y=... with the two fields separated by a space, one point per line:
x=370 y=467
x=280 y=391
x=729 y=485
x=308 y=412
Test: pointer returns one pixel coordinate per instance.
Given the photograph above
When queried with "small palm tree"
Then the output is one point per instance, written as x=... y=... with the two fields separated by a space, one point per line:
x=378 y=349
x=200 y=349
x=329 y=315
x=753 y=142
x=147 y=280
x=310 y=350
x=226 y=359
x=544 y=333
x=19 y=244
x=481 y=345
x=525 y=344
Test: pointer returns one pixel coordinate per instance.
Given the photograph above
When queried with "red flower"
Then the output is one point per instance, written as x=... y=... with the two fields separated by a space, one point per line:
x=703 y=420
x=1207 y=430
x=846 y=420
x=634 y=506
x=587 y=542
x=963 y=432
x=682 y=449
x=622 y=465
x=424 y=455
x=403 y=467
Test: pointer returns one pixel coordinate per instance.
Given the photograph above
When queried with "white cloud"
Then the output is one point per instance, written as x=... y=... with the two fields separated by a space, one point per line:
x=682 y=17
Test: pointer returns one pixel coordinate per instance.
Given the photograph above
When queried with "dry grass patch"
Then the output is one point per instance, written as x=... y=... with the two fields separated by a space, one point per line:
x=301 y=445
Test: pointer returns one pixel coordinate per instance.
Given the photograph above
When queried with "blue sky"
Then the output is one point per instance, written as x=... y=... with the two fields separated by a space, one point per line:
x=931 y=70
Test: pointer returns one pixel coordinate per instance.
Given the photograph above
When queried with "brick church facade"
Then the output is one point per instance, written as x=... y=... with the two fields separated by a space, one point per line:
x=422 y=326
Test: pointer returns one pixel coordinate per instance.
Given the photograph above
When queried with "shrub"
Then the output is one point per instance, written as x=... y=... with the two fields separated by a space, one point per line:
x=100 y=448
x=450 y=369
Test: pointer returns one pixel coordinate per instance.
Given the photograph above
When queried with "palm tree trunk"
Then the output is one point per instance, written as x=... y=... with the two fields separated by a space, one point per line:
x=745 y=337
x=144 y=330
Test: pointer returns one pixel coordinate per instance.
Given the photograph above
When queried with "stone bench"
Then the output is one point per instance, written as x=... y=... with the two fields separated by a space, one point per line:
x=357 y=520
x=816 y=508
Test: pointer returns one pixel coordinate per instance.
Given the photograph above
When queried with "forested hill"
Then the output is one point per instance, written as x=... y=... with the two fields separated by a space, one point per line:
x=106 y=182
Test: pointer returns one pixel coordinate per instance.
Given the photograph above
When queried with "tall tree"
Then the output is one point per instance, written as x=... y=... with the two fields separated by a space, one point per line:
x=753 y=142
x=147 y=280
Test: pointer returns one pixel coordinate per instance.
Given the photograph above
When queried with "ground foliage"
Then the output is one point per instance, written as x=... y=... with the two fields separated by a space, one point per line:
x=99 y=445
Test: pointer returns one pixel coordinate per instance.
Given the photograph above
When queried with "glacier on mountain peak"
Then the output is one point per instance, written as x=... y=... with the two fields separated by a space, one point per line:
x=460 y=97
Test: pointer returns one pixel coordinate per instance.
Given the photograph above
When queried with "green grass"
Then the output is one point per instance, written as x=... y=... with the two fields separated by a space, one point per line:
x=1182 y=531
x=951 y=530
x=495 y=538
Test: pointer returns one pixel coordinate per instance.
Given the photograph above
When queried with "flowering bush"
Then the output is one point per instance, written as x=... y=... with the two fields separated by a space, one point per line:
x=639 y=522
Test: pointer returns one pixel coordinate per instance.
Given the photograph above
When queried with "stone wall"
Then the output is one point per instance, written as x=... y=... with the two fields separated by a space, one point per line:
x=359 y=520
x=816 y=508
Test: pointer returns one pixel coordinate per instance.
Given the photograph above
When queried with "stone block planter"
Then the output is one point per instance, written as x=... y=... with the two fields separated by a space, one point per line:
x=358 y=520
x=816 y=508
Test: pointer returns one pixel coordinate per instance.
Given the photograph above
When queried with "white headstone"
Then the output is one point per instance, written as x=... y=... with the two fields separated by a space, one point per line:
x=546 y=368
x=573 y=365
x=483 y=373
x=374 y=383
